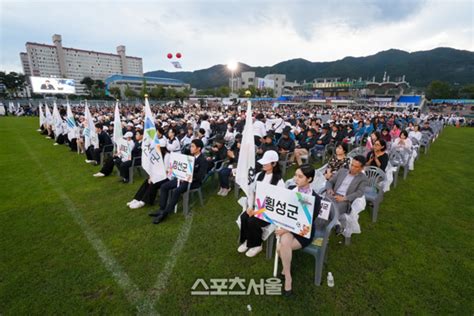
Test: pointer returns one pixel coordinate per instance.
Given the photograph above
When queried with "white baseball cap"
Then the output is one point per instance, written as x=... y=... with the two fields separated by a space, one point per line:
x=269 y=157
x=128 y=134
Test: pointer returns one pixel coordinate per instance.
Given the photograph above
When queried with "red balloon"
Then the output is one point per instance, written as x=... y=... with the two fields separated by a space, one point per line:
x=169 y=55
x=178 y=55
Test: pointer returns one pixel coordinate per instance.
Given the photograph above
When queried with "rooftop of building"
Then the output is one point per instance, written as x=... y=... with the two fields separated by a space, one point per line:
x=139 y=78
x=80 y=50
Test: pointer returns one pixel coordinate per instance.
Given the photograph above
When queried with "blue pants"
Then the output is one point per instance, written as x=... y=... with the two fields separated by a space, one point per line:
x=224 y=175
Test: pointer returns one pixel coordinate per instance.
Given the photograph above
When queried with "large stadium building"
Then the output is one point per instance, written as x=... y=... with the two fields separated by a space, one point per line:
x=44 y=60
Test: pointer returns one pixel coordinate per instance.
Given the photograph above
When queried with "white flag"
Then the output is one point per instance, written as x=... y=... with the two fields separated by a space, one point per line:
x=49 y=117
x=118 y=136
x=41 y=116
x=152 y=161
x=90 y=135
x=246 y=164
x=71 y=123
x=11 y=108
x=57 y=121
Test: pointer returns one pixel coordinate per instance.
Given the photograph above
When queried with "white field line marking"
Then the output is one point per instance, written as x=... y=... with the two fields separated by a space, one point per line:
x=162 y=280
x=134 y=295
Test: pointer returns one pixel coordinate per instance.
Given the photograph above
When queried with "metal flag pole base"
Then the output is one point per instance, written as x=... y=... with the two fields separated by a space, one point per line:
x=275 y=265
x=176 y=206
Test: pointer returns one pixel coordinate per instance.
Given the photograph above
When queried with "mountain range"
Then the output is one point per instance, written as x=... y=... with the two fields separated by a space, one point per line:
x=420 y=68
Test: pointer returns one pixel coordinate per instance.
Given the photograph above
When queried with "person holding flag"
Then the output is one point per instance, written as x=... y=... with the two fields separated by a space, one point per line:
x=146 y=194
x=49 y=121
x=57 y=123
x=72 y=128
x=42 y=119
x=118 y=134
x=251 y=227
x=95 y=139
x=246 y=164
x=102 y=139
x=199 y=172
x=127 y=149
x=152 y=160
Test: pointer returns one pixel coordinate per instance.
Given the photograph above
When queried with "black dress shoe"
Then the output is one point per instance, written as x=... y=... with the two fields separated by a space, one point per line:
x=338 y=229
x=154 y=214
x=287 y=293
x=159 y=219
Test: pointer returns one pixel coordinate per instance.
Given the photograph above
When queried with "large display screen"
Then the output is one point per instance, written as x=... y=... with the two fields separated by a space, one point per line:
x=53 y=85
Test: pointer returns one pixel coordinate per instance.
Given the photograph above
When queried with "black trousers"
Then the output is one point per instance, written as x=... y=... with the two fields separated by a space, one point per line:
x=167 y=187
x=109 y=164
x=60 y=139
x=124 y=168
x=147 y=191
x=251 y=230
x=73 y=144
x=93 y=153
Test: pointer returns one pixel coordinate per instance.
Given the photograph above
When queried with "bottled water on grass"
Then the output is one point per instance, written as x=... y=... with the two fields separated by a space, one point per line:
x=330 y=280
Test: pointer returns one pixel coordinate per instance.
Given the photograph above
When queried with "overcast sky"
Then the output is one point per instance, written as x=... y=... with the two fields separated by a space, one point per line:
x=258 y=33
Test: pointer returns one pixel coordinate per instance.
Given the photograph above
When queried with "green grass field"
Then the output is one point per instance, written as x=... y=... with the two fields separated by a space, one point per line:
x=69 y=244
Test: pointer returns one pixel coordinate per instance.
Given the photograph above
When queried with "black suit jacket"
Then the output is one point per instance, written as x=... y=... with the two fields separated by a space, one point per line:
x=325 y=140
x=200 y=169
x=104 y=139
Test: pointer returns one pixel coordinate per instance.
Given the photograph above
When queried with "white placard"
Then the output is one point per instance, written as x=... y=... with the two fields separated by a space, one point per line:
x=324 y=211
x=285 y=208
x=181 y=167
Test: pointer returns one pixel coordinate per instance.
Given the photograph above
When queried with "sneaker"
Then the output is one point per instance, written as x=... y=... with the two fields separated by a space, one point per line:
x=136 y=205
x=131 y=202
x=89 y=161
x=55 y=144
x=99 y=174
x=220 y=191
x=252 y=252
x=225 y=192
x=243 y=248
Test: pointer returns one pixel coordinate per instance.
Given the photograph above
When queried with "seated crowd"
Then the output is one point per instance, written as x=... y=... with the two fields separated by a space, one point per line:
x=213 y=135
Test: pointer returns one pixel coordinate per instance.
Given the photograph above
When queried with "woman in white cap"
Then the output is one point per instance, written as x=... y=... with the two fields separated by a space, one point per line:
x=251 y=226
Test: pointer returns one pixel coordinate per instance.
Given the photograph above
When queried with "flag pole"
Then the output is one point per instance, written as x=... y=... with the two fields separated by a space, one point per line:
x=176 y=206
x=275 y=263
